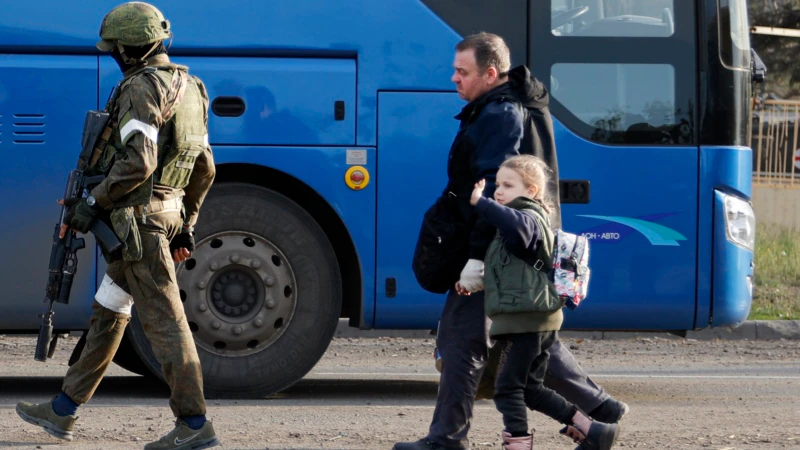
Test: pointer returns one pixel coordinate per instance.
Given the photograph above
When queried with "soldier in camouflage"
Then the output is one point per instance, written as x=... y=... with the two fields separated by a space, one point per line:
x=159 y=168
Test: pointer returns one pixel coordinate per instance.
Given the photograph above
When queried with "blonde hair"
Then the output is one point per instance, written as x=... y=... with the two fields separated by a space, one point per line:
x=534 y=172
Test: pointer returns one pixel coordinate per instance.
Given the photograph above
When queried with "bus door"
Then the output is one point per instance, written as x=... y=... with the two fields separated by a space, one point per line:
x=622 y=78
x=43 y=101
x=413 y=144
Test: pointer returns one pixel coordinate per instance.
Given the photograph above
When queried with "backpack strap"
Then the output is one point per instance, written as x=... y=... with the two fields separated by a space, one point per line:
x=573 y=257
x=542 y=261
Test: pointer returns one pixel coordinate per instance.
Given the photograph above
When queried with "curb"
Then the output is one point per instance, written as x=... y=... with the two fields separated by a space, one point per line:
x=753 y=330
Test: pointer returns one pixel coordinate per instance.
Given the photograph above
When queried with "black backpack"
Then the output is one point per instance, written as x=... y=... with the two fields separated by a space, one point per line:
x=442 y=246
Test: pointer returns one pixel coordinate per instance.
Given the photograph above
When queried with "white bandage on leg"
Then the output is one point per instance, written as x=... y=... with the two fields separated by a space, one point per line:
x=113 y=297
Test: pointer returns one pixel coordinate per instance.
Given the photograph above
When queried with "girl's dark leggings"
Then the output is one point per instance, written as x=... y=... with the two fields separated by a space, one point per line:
x=520 y=374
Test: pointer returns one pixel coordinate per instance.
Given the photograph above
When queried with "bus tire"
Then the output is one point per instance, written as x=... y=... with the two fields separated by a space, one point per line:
x=262 y=293
x=127 y=357
x=78 y=349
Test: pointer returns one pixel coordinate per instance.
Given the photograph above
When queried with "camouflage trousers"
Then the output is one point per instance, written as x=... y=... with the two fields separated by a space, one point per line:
x=152 y=283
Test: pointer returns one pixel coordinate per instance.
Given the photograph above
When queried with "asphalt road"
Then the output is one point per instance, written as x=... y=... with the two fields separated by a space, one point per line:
x=370 y=393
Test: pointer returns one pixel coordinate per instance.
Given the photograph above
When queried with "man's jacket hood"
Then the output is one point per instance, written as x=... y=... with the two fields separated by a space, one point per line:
x=530 y=91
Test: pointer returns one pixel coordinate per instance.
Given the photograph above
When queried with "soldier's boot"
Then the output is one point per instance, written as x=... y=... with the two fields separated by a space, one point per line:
x=590 y=434
x=422 y=444
x=183 y=437
x=42 y=415
x=610 y=411
x=517 y=443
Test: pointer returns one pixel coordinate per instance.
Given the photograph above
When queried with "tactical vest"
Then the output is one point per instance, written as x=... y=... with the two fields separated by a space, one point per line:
x=514 y=285
x=181 y=139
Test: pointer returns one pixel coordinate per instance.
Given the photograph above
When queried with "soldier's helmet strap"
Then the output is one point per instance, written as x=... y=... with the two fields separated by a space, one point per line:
x=136 y=62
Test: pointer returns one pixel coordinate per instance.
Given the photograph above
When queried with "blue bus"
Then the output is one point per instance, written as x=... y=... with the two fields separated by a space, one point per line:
x=331 y=122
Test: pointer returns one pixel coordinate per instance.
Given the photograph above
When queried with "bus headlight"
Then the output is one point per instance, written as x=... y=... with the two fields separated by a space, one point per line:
x=740 y=222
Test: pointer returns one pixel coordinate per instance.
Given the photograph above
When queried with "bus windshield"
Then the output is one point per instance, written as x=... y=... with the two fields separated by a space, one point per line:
x=640 y=58
x=640 y=18
x=734 y=34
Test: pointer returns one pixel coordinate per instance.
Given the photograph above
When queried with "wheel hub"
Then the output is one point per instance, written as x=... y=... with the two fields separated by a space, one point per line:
x=236 y=292
x=239 y=293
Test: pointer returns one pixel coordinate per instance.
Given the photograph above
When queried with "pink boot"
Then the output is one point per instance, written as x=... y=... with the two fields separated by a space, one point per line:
x=517 y=443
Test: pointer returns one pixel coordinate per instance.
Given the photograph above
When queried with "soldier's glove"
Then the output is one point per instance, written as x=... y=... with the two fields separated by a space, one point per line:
x=80 y=216
x=183 y=240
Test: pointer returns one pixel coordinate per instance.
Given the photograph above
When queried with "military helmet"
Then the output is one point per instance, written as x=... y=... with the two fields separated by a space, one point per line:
x=134 y=24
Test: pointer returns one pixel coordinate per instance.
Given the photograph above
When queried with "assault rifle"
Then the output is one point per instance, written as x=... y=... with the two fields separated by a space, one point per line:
x=63 y=255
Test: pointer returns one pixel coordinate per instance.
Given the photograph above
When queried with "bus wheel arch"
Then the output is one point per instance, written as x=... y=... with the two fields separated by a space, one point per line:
x=294 y=349
x=322 y=212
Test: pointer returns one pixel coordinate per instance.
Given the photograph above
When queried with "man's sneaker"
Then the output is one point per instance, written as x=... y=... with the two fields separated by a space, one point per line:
x=610 y=411
x=422 y=444
x=44 y=416
x=185 y=438
x=590 y=434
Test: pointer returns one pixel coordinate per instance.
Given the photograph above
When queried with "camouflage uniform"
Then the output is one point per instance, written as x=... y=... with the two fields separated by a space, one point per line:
x=138 y=134
x=158 y=168
x=136 y=168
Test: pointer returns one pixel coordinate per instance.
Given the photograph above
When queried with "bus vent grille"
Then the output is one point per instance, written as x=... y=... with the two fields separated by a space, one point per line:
x=29 y=129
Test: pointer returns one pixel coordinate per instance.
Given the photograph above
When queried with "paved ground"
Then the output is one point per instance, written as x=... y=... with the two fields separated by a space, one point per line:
x=369 y=393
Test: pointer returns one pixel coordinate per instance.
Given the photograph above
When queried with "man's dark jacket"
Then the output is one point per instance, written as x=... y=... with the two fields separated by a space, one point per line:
x=511 y=119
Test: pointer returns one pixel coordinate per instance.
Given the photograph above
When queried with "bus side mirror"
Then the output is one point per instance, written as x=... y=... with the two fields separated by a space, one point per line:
x=757 y=68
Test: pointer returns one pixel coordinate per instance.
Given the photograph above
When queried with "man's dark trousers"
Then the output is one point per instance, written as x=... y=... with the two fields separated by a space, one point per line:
x=462 y=344
x=463 y=341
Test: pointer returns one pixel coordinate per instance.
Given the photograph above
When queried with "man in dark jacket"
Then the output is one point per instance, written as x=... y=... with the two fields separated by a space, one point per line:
x=507 y=115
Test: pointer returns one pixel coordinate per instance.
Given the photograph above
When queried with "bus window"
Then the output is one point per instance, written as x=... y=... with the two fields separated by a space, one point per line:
x=624 y=103
x=630 y=79
x=631 y=18
x=734 y=34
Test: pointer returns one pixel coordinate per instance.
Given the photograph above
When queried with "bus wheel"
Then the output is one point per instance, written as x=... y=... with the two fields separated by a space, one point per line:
x=128 y=358
x=125 y=357
x=262 y=293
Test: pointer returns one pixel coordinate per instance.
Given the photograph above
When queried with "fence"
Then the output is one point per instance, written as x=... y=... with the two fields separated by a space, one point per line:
x=776 y=157
x=776 y=163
